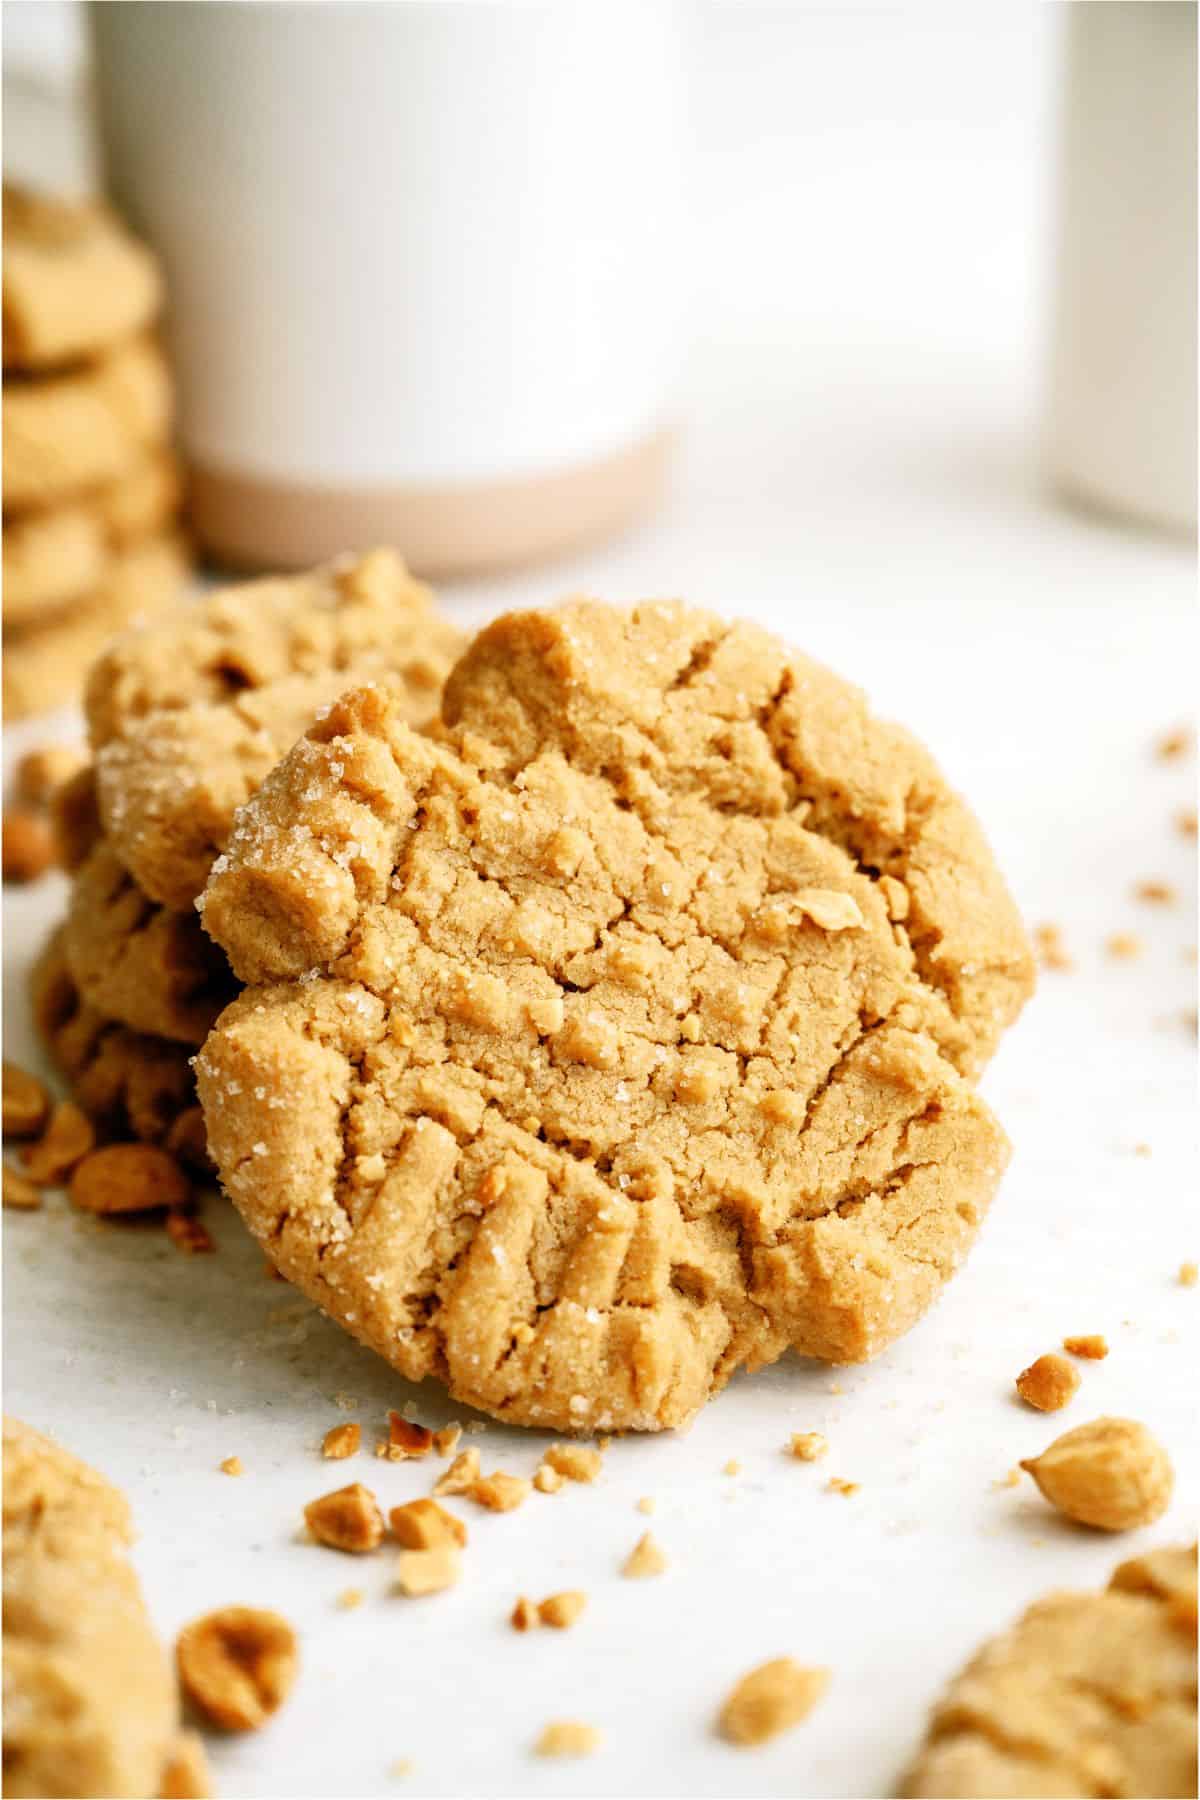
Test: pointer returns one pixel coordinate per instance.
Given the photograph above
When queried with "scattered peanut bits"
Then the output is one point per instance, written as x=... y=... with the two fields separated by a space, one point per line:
x=232 y=1465
x=341 y=1441
x=574 y=1462
x=645 y=1559
x=1173 y=744
x=26 y=846
x=1186 y=823
x=1051 y=951
x=1155 y=893
x=1111 y=1474
x=406 y=1441
x=67 y=1140
x=1048 y=1383
x=770 y=1699
x=428 y=1571
x=348 y=1519
x=128 y=1178
x=567 y=1737
x=1124 y=946
x=445 y=1441
x=1092 y=1346
x=462 y=1474
x=559 y=1611
x=1189 y=1274
x=808 y=1446
x=188 y=1233
x=19 y=1192
x=44 y=769
x=237 y=1665
x=499 y=1492
x=26 y=1103
x=547 y=1480
x=424 y=1525
x=836 y=1485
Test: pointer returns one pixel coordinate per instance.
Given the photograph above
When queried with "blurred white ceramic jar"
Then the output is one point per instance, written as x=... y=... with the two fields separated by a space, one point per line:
x=1123 y=375
x=423 y=263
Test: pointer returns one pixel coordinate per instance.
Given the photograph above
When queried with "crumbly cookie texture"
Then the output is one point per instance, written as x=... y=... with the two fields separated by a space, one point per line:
x=90 y=1705
x=137 y=962
x=55 y=558
x=45 y=663
x=71 y=432
x=133 y=1085
x=187 y=718
x=75 y=281
x=1088 y=1694
x=593 y=1054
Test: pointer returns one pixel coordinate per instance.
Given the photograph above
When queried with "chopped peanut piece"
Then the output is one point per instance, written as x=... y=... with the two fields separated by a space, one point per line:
x=348 y=1519
x=341 y=1441
x=574 y=1462
x=771 y=1699
x=1189 y=1274
x=19 y=1192
x=1173 y=744
x=1091 y=1346
x=350 y=1598
x=188 y=1233
x=562 y=1610
x=836 y=1485
x=1124 y=946
x=42 y=771
x=647 y=1503
x=827 y=908
x=1155 y=893
x=428 y=1571
x=26 y=1104
x=412 y=1441
x=567 y=1737
x=547 y=1480
x=809 y=1446
x=462 y=1474
x=445 y=1441
x=68 y=1138
x=423 y=1525
x=233 y=1465
x=1111 y=1474
x=185 y=1776
x=524 y=1616
x=732 y=1467
x=237 y=1665
x=1011 y=1480
x=26 y=845
x=128 y=1178
x=1048 y=1383
x=1185 y=822
x=645 y=1559
x=500 y=1492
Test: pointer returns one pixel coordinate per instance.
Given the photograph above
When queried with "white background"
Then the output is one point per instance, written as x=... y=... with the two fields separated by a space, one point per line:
x=859 y=471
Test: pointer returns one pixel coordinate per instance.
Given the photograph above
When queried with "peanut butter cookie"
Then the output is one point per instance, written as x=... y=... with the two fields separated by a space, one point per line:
x=71 y=432
x=45 y=663
x=138 y=963
x=187 y=719
x=75 y=281
x=1088 y=1694
x=90 y=1704
x=615 y=1036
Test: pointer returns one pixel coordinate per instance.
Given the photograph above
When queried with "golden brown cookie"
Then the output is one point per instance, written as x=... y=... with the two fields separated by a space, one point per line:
x=68 y=433
x=45 y=664
x=90 y=1704
x=54 y=558
x=1088 y=1694
x=138 y=963
x=75 y=281
x=605 y=1041
x=133 y=1085
x=186 y=719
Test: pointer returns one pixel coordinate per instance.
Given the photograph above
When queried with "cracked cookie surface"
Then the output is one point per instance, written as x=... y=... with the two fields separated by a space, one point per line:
x=90 y=1705
x=1088 y=1694
x=614 y=1036
x=186 y=719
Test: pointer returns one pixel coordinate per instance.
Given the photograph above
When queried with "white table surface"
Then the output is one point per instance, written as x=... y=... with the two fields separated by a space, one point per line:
x=865 y=486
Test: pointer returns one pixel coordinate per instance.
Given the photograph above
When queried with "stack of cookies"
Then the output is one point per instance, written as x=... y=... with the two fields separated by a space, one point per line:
x=91 y=490
x=186 y=717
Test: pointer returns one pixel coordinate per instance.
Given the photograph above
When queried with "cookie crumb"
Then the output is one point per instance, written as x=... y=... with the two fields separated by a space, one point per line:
x=1189 y=1274
x=1124 y=946
x=237 y=1665
x=524 y=1615
x=732 y=1467
x=462 y=1474
x=560 y=1611
x=547 y=1480
x=424 y=1525
x=1111 y=1474
x=341 y=1441
x=128 y=1178
x=26 y=1103
x=567 y=1737
x=348 y=1519
x=836 y=1485
x=1155 y=893
x=232 y=1465
x=67 y=1139
x=1092 y=1346
x=1048 y=1383
x=500 y=1492
x=770 y=1699
x=1051 y=952
x=645 y=1559
x=445 y=1441
x=575 y=1462
x=808 y=1446
x=349 y=1598
x=428 y=1571
x=1173 y=744
x=26 y=845
x=647 y=1503
x=19 y=1192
